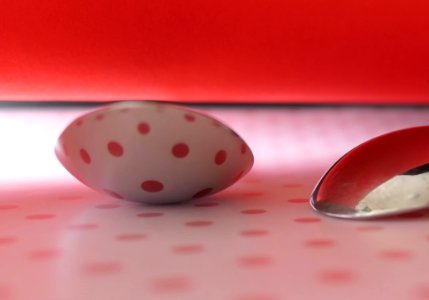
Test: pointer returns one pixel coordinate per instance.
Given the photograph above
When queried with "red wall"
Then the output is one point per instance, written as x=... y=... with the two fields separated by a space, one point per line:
x=215 y=50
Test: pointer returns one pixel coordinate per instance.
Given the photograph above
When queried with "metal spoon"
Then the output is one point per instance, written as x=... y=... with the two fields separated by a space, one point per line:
x=387 y=175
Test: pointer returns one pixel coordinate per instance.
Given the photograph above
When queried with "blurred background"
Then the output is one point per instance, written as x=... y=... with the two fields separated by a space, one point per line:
x=242 y=51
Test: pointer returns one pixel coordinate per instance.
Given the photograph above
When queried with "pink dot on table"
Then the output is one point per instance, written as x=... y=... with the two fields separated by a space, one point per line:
x=199 y=223
x=319 y=243
x=180 y=150
x=8 y=206
x=307 y=220
x=130 y=237
x=220 y=157
x=85 y=156
x=253 y=211
x=115 y=149
x=171 y=284
x=243 y=148
x=396 y=254
x=202 y=193
x=365 y=228
x=114 y=194
x=255 y=261
x=102 y=268
x=143 y=128
x=108 y=206
x=337 y=276
x=254 y=232
x=79 y=122
x=188 y=249
x=152 y=186
x=206 y=204
x=99 y=117
x=150 y=214
x=189 y=117
x=44 y=254
x=7 y=240
x=298 y=200
x=83 y=226
x=40 y=216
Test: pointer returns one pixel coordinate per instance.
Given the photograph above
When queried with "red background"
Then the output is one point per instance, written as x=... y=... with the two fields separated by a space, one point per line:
x=215 y=50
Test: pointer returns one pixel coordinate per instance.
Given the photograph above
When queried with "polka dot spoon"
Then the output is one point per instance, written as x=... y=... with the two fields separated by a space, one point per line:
x=385 y=176
x=153 y=152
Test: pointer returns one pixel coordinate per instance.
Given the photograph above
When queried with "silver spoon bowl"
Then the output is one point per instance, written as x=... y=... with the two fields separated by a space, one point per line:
x=387 y=175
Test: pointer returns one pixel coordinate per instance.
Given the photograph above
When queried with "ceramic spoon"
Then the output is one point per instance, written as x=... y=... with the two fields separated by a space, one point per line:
x=387 y=175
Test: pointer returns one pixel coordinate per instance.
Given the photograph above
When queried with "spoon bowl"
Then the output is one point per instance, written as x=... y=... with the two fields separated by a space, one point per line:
x=387 y=175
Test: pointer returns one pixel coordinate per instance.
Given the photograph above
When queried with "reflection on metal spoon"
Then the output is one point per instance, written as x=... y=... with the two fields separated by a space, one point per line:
x=387 y=175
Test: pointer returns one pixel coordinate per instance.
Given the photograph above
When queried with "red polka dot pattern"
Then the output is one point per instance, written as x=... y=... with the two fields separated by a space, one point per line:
x=150 y=214
x=152 y=186
x=85 y=156
x=8 y=206
x=337 y=277
x=44 y=254
x=99 y=117
x=188 y=249
x=307 y=220
x=189 y=117
x=255 y=261
x=102 y=268
x=220 y=157
x=396 y=254
x=163 y=145
x=258 y=240
x=369 y=228
x=180 y=150
x=115 y=149
x=171 y=285
x=143 y=128
x=199 y=223
x=131 y=237
x=40 y=216
x=7 y=240
x=254 y=232
x=319 y=243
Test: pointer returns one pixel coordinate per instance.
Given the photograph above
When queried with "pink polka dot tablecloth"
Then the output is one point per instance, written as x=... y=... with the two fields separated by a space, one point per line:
x=257 y=240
